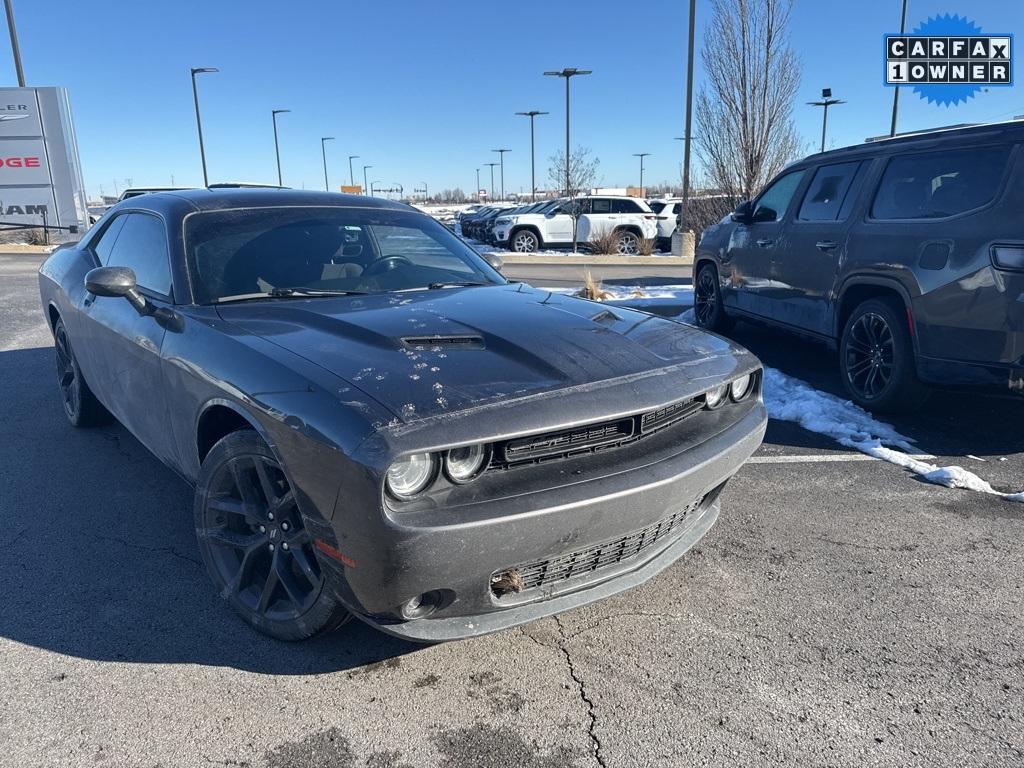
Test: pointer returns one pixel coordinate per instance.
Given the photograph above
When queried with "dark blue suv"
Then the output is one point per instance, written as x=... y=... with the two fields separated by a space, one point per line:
x=906 y=253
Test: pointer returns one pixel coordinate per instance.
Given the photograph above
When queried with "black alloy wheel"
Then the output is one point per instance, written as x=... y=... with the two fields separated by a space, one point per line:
x=80 y=404
x=256 y=545
x=870 y=355
x=707 y=302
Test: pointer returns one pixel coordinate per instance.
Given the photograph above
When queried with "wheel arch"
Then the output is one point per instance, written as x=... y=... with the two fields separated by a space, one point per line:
x=52 y=315
x=529 y=228
x=857 y=290
x=220 y=417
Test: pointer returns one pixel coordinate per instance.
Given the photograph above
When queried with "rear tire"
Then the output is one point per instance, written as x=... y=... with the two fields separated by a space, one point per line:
x=256 y=544
x=707 y=301
x=876 y=358
x=80 y=404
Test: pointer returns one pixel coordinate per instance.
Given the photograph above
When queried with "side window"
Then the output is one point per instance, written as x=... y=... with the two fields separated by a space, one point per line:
x=677 y=208
x=625 y=206
x=657 y=207
x=773 y=202
x=827 y=192
x=600 y=205
x=142 y=245
x=938 y=184
x=105 y=244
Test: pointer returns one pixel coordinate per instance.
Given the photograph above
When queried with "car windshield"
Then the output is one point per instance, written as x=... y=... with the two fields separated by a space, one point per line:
x=295 y=251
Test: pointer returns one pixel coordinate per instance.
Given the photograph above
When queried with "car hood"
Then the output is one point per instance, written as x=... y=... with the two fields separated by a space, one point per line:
x=428 y=352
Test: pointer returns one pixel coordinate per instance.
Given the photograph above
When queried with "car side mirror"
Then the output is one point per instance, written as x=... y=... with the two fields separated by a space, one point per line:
x=495 y=261
x=117 y=282
x=744 y=213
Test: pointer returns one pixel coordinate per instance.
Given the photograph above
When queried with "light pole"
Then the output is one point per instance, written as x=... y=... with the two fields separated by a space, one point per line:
x=492 y=178
x=641 y=155
x=323 y=151
x=533 y=165
x=15 y=48
x=687 y=137
x=902 y=31
x=372 y=183
x=364 y=178
x=478 y=185
x=351 y=176
x=277 y=152
x=568 y=73
x=826 y=102
x=199 y=124
x=424 y=191
x=401 y=189
x=501 y=157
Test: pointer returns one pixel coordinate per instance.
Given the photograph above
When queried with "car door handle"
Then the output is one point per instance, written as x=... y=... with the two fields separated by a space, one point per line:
x=826 y=245
x=765 y=243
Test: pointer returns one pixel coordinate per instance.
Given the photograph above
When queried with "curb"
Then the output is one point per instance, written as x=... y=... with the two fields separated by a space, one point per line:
x=11 y=249
x=593 y=260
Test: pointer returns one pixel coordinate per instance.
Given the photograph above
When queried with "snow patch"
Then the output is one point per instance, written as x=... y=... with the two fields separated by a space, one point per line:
x=790 y=399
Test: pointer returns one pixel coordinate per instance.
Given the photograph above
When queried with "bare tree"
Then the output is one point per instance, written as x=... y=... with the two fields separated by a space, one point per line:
x=582 y=177
x=582 y=171
x=745 y=132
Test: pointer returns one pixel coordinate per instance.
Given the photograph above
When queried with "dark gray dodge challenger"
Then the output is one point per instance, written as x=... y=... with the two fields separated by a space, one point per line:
x=378 y=424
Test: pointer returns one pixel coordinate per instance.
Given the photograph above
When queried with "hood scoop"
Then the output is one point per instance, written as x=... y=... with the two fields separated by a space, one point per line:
x=444 y=342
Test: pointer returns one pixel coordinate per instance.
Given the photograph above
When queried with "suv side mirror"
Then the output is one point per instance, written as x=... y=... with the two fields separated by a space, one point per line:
x=114 y=282
x=744 y=213
x=495 y=261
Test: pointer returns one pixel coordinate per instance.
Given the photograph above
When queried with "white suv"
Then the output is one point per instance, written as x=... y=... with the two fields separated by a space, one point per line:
x=632 y=219
x=667 y=210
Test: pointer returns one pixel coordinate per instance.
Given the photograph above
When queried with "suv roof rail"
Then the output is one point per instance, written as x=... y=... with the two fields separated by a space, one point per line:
x=940 y=129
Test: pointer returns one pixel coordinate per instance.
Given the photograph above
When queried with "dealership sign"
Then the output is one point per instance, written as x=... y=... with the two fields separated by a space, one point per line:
x=948 y=59
x=40 y=175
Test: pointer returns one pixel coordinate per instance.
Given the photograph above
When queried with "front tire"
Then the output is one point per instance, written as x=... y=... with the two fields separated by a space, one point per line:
x=708 y=308
x=256 y=545
x=524 y=241
x=80 y=404
x=876 y=359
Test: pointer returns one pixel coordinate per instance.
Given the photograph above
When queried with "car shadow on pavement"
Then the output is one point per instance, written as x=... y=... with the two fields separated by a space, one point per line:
x=950 y=423
x=98 y=552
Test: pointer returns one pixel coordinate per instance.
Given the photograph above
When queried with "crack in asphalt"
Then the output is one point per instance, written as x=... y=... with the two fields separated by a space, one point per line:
x=581 y=687
x=144 y=548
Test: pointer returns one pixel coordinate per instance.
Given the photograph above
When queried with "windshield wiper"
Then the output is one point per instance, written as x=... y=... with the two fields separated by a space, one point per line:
x=283 y=293
x=456 y=284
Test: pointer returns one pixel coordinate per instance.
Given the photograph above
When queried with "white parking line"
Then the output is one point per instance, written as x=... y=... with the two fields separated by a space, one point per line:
x=820 y=458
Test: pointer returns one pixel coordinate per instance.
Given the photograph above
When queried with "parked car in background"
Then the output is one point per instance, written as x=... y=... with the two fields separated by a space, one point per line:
x=667 y=210
x=370 y=424
x=907 y=254
x=631 y=219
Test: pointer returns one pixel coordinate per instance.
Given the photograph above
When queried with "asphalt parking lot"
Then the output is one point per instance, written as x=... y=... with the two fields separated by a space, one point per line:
x=840 y=613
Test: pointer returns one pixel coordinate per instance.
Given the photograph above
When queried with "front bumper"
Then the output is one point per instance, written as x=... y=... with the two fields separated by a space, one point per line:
x=460 y=559
x=501 y=234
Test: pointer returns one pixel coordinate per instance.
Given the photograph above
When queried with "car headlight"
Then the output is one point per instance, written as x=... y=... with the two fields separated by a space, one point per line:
x=715 y=397
x=464 y=464
x=741 y=387
x=410 y=474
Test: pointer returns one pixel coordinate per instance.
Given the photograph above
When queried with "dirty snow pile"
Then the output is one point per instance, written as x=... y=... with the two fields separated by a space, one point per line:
x=789 y=399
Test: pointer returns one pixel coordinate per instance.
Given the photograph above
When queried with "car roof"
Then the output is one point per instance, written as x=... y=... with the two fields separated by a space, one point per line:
x=938 y=137
x=249 y=197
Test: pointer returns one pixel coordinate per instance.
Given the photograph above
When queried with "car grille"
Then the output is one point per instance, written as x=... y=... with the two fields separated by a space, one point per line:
x=592 y=437
x=585 y=561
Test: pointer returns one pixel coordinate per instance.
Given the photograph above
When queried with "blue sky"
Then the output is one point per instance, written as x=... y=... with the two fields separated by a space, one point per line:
x=424 y=90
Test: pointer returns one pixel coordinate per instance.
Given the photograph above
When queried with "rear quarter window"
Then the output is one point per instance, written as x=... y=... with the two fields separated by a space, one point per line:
x=934 y=185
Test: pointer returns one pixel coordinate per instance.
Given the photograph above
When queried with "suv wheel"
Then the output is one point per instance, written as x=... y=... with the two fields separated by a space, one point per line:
x=525 y=241
x=80 y=404
x=628 y=244
x=707 y=301
x=876 y=358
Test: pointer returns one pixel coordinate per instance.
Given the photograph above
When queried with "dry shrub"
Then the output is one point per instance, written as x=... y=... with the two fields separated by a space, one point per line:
x=606 y=242
x=646 y=247
x=638 y=292
x=592 y=289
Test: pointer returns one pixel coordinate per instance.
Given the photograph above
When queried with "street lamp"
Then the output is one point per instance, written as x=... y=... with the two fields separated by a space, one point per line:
x=351 y=176
x=533 y=166
x=687 y=137
x=400 y=188
x=501 y=156
x=491 y=165
x=896 y=90
x=568 y=73
x=641 y=155
x=364 y=178
x=199 y=124
x=277 y=151
x=478 y=185
x=372 y=183
x=323 y=151
x=424 y=191
x=826 y=102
